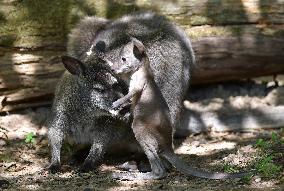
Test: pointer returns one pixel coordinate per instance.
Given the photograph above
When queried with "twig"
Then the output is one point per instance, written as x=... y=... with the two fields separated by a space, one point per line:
x=12 y=165
x=3 y=128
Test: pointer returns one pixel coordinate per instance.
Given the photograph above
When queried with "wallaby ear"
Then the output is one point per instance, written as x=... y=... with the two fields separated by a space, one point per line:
x=74 y=66
x=138 y=48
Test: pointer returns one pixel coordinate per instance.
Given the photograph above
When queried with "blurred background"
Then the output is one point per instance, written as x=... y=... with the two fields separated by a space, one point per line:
x=233 y=40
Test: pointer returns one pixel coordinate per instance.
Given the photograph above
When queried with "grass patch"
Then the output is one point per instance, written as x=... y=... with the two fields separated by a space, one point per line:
x=228 y=168
x=30 y=138
x=270 y=163
x=266 y=162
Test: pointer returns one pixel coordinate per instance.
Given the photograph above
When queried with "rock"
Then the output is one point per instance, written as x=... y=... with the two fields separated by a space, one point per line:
x=257 y=180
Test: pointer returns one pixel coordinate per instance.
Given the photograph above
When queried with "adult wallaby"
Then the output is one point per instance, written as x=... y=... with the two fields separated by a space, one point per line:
x=168 y=48
x=81 y=111
x=82 y=103
x=151 y=117
x=82 y=108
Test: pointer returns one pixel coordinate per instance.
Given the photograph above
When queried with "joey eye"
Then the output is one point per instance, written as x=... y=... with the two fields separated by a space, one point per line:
x=123 y=59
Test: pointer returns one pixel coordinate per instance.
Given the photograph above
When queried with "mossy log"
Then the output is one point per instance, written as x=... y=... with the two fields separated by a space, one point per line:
x=232 y=39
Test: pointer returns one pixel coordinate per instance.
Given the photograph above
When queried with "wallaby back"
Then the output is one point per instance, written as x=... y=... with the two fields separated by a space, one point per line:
x=168 y=48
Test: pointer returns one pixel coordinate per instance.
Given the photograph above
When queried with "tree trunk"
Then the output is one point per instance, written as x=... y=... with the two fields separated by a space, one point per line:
x=232 y=40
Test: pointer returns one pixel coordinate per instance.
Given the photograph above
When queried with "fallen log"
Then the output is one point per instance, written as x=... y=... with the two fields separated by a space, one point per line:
x=244 y=106
x=243 y=120
x=232 y=40
x=231 y=58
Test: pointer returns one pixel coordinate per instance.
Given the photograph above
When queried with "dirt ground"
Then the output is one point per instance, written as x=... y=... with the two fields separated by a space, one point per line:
x=22 y=164
x=23 y=157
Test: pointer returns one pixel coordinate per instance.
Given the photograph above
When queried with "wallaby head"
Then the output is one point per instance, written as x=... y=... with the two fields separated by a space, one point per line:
x=88 y=73
x=130 y=58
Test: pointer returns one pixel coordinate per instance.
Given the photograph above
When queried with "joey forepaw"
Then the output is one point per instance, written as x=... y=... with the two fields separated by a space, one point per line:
x=117 y=104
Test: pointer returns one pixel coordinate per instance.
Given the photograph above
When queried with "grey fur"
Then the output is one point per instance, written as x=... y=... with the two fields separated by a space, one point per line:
x=169 y=50
x=82 y=112
x=82 y=106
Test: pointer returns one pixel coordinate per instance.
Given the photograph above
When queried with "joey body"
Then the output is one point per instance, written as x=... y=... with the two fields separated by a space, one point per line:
x=151 y=117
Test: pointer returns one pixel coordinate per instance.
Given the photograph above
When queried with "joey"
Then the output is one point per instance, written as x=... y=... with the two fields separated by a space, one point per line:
x=151 y=117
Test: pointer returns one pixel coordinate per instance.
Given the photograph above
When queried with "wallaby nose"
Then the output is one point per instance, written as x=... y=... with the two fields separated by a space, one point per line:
x=113 y=70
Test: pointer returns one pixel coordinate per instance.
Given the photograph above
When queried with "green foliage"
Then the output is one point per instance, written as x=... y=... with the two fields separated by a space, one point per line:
x=267 y=164
x=7 y=40
x=276 y=139
x=6 y=157
x=268 y=168
x=33 y=23
x=30 y=138
x=247 y=179
x=230 y=168
x=262 y=144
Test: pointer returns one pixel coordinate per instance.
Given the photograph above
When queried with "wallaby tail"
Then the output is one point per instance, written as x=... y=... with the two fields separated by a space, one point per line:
x=181 y=166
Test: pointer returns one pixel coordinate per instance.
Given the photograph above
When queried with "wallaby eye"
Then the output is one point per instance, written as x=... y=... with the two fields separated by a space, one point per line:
x=99 y=87
x=123 y=59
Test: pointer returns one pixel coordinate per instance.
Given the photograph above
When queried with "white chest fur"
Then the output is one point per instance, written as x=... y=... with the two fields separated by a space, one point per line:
x=137 y=81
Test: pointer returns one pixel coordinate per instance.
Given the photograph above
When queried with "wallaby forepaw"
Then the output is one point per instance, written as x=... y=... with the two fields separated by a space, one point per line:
x=128 y=166
x=87 y=167
x=54 y=168
x=114 y=112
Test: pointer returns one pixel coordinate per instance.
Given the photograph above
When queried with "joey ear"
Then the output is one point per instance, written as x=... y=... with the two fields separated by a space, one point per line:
x=138 y=48
x=73 y=65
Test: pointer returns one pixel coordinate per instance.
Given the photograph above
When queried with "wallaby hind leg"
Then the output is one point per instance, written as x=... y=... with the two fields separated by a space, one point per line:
x=96 y=153
x=55 y=137
x=144 y=166
x=168 y=166
x=150 y=147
